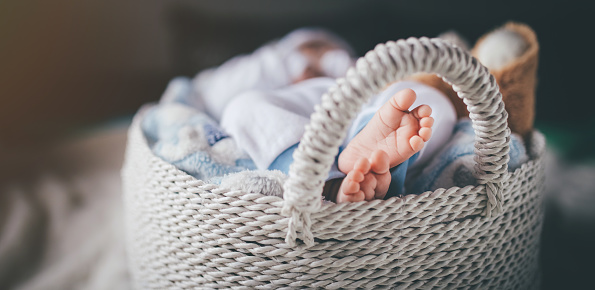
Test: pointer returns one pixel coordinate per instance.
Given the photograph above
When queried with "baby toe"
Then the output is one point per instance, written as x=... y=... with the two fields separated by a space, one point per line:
x=362 y=165
x=382 y=184
x=379 y=162
x=425 y=133
x=422 y=111
x=404 y=99
x=349 y=186
x=358 y=196
x=425 y=111
x=426 y=122
x=368 y=187
x=417 y=143
x=356 y=176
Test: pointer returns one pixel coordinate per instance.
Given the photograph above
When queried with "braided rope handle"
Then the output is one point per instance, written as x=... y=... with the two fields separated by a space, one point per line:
x=390 y=62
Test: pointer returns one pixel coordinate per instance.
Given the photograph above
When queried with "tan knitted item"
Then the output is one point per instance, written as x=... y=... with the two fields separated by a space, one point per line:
x=184 y=233
x=517 y=80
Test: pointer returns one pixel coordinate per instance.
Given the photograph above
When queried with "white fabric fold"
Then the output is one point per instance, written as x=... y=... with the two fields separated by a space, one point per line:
x=266 y=123
x=272 y=66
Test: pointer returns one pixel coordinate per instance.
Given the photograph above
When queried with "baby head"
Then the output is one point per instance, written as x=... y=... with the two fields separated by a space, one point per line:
x=314 y=53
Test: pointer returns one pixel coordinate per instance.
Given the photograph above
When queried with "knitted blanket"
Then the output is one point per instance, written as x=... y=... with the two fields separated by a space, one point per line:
x=189 y=139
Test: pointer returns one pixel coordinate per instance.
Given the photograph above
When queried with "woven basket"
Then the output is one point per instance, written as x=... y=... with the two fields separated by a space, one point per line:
x=185 y=233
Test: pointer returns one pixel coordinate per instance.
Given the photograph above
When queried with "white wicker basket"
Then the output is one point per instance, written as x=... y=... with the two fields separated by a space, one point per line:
x=185 y=233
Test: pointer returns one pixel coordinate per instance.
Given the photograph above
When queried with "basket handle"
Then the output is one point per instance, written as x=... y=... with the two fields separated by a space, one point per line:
x=389 y=62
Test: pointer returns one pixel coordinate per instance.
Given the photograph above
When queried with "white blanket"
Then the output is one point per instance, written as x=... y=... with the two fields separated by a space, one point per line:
x=272 y=66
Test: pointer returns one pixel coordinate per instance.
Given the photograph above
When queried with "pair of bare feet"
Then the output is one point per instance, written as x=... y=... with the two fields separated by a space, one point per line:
x=393 y=135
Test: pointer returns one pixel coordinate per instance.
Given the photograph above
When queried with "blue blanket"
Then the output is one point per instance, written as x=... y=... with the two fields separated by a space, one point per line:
x=189 y=139
x=454 y=164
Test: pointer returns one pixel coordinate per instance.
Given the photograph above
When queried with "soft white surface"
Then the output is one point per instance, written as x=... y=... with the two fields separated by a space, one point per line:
x=266 y=123
x=571 y=192
x=267 y=182
x=500 y=48
x=61 y=216
x=272 y=66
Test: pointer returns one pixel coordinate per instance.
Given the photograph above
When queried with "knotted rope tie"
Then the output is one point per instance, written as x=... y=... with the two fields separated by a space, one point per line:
x=495 y=197
x=298 y=221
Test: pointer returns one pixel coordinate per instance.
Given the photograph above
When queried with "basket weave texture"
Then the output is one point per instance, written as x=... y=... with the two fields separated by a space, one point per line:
x=184 y=233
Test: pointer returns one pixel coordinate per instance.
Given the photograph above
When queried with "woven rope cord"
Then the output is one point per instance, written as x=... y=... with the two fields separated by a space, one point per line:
x=185 y=234
x=343 y=255
x=386 y=63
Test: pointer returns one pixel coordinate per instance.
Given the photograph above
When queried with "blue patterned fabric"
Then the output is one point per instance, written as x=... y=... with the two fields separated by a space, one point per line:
x=189 y=139
x=454 y=164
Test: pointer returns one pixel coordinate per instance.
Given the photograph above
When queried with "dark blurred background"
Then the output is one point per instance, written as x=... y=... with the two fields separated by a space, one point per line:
x=70 y=65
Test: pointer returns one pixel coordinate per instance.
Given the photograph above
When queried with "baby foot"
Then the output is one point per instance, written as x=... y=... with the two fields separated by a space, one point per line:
x=394 y=129
x=369 y=179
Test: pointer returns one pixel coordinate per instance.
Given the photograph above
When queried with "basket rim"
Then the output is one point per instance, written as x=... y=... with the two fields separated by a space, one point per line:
x=536 y=154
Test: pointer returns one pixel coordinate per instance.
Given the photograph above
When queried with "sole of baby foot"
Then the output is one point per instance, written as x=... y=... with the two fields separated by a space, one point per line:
x=369 y=179
x=380 y=170
x=350 y=190
x=394 y=129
